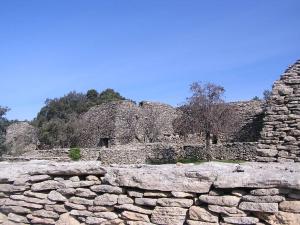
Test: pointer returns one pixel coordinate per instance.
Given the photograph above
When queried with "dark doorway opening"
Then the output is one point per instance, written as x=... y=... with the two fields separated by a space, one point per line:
x=104 y=142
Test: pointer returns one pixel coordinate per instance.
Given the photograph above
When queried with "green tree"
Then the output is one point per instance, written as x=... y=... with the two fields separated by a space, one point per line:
x=3 y=125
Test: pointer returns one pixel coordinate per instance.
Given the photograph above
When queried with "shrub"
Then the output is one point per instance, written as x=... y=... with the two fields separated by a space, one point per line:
x=74 y=154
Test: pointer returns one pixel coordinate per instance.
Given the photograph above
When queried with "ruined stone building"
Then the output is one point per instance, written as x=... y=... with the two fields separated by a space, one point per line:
x=281 y=131
x=125 y=122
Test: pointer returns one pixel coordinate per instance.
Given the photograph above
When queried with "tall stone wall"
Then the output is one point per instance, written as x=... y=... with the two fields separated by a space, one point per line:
x=208 y=194
x=281 y=132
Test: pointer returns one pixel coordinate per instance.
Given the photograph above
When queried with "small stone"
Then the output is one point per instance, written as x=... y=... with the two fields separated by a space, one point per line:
x=146 y=201
x=84 y=213
x=106 y=200
x=56 y=197
x=183 y=195
x=107 y=189
x=123 y=199
x=228 y=211
x=106 y=215
x=81 y=201
x=175 y=202
x=134 y=208
x=100 y=209
x=56 y=208
x=75 y=206
x=39 y=178
x=66 y=219
x=263 y=199
x=241 y=220
x=220 y=200
x=45 y=214
x=94 y=221
x=156 y=194
x=259 y=207
x=17 y=218
x=8 y=188
x=265 y=192
x=86 y=193
x=74 y=179
x=168 y=215
x=47 y=185
x=39 y=221
x=198 y=213
x=290 y=206
x=126 y=215
x=35 y=194
x=239 y=193
x=92 y=178
x=15 y=209
x=135 y=194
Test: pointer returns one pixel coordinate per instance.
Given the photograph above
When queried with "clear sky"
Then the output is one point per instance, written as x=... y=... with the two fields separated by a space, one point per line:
x=145 y=49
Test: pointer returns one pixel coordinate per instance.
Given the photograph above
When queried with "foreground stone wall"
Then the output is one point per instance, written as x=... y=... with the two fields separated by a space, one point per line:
x=281 y=132
x=209 y=194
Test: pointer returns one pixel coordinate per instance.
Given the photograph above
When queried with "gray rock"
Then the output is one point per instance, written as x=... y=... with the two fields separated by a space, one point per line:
x=192 y=222
x=107 y=189
x=198 y=213
x=47 y=185
x=56 y=208
x=290 y=206
x=228 y=211
x=124 y=199
x=106 y=215
x=94 y=221
x=100 y=209
x=66 y=219
x=134 y=208
x=126 y=215
x=168 y=215
x=220 y=200
x=45 y=214
x=81 y=201
x=75 y=206
x=35 y=194
x=259 y=207
x=15 y=209
x=263 y=199
x=85 y=193
x=146 y=201
x=37 y=220
x=265 y=192
x=8 y=188
x=17 y=218
x=106 y=200
x=175 y=202
x=56 y=197
x=241 y=220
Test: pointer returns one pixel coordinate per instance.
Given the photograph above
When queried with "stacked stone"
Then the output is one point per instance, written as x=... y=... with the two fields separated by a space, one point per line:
x=281 y=132
x=176 y=195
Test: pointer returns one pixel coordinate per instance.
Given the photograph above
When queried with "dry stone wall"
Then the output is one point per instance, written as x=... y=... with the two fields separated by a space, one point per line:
x=281 y=132
x=208 y=194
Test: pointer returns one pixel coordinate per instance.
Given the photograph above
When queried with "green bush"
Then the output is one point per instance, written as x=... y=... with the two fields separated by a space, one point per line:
x=74 y=154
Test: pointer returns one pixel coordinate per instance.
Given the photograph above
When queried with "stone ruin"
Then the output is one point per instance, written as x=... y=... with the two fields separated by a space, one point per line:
x=280 y=139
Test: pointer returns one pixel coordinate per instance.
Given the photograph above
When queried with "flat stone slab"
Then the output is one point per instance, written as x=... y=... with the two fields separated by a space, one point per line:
x=165 y=178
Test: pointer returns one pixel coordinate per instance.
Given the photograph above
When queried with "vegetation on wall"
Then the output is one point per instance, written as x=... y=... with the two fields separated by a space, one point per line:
x=3 y=125
x=57 y=120
x=75 y=154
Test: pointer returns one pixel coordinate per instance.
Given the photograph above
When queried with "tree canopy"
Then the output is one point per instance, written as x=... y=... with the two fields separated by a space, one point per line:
x=3 y=125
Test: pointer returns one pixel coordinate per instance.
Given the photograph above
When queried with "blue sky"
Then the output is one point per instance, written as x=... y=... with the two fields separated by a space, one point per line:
x=145 y=49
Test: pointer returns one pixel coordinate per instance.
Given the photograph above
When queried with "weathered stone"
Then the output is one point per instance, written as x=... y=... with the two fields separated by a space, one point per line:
x=241 y=220
x=106 y=200
x=126 y=215
x=106 y=215
x=9 y=202
x=263 y=199
x=155 y=194
x=220 y=200
x=168 y=215
x=67 y=191
x=94 y=220
x=135 y=194
x=74 y=179
x=198 y=213
x=265 y=192
x=56 y=197
x=228 y=211
x=45 y=214
x=183 y=195
x=123 y=199
x=15 y=209
x=56 y=208
x=8 y=188
x=92 y=178
x=107 y=189
x=17 y=218
x=84 y=213
x=39 y=178
x=138 y=223
x=175 y=202
x=66 y=219
x=133 y=208
x=280 y=218
x=146 y=201
x=290 y=206
x=31 y=200
x=37 y=220
x=75 y=206
x=239 y=193
x=100 y=209
x=35 y=194
x=85 y=193
x=81 y=201
x=47 y=185
x=192 y=222
x=259 y=207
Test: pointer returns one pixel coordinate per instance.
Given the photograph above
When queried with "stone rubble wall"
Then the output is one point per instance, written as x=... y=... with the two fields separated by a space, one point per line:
x=281 y=132
x=159 y=153
x=208 y=194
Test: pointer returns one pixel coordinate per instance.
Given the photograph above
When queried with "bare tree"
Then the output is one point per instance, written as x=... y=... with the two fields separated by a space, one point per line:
x=205 y=112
